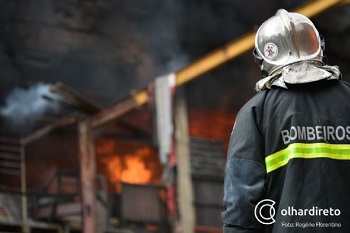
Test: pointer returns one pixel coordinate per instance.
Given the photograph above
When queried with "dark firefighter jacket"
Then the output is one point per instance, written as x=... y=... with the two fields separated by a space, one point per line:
x=291 y=147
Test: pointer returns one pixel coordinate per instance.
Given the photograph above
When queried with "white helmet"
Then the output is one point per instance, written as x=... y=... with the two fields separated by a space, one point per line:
x=286 y=38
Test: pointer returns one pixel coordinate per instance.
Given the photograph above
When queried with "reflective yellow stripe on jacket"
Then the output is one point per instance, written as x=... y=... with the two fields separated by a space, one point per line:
x=307 y=151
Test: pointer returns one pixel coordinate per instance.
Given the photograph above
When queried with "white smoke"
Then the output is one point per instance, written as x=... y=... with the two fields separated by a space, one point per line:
x=23 y=103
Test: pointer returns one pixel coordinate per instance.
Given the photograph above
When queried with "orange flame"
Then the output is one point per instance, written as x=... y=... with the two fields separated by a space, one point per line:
x=132 y=164
x=136 y=172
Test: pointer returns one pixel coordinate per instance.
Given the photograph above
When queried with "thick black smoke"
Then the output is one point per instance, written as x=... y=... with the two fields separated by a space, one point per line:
x=108 y=48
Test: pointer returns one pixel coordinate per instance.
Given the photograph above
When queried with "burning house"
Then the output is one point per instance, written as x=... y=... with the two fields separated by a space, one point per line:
x=143 y=152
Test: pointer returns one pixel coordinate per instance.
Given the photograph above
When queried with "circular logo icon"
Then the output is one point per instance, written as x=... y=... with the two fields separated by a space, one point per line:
x=270 y=51
x=265 y=212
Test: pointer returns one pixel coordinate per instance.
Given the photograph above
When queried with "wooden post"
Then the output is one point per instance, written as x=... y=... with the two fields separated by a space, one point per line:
x=25 y=227
x=87 y=177
x=184 y=179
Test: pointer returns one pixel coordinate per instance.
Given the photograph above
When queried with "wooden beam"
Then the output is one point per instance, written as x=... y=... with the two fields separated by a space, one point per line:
x=87 y=177
x=75 y=98
x=45 y=130
x=113 y=112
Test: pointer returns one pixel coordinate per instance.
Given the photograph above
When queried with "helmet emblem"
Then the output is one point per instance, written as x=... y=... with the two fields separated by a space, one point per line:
x=270 y=51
